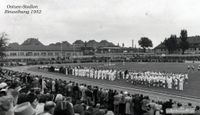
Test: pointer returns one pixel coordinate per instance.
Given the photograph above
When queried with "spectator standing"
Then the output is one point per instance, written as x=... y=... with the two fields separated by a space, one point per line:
x=48 y=108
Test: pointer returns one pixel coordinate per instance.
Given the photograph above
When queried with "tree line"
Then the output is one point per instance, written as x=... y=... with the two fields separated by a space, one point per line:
x=173 y=43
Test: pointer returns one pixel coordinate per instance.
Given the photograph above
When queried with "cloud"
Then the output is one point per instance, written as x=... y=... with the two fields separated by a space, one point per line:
x=113 y=20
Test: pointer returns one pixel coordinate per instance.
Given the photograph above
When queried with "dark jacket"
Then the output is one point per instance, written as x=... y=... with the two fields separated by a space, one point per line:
x=63 y=108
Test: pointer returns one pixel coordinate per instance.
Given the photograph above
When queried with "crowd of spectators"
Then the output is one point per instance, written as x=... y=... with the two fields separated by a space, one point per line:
x=25 y=94
x=107 y=58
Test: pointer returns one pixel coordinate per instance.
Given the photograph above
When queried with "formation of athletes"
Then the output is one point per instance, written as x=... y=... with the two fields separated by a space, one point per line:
x=148 y=78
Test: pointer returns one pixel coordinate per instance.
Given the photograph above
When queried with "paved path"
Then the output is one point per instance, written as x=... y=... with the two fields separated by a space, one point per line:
x=152 y=94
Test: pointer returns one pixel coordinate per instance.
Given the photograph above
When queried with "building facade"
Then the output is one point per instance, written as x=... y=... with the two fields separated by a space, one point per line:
x=42 y=54
x=33 y=49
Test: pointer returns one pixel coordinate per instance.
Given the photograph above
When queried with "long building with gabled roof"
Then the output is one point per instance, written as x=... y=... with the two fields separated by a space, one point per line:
x=32 y=48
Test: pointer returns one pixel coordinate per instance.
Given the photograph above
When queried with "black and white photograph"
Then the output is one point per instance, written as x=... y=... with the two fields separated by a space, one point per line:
x=99 y=57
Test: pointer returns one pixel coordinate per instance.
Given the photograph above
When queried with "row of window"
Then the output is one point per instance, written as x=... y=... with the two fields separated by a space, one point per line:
x=42 y=54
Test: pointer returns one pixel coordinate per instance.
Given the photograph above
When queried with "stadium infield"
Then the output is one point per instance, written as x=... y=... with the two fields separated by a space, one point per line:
x=191 y=90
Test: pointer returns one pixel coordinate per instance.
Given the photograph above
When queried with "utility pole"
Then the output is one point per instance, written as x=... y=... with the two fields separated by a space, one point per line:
x=132 y=43
x=61 y=49
x=73 y=51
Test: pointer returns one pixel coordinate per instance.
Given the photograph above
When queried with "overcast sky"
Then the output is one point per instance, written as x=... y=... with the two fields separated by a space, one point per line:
x=118 y=21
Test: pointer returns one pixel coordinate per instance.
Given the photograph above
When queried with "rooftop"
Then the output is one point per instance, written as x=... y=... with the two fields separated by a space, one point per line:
x=33 y=44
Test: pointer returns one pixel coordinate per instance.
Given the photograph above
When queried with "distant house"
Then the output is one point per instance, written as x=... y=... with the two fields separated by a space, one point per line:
x=91 y=47
x=33 y=49
x=92 y=43
x=194 y=48
x=79 y=43
x=105 y=43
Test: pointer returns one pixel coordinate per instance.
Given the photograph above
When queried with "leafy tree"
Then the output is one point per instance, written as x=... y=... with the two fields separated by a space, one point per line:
x=184 y=44
x=145 y=42
x=171 y=44
x=3 y=43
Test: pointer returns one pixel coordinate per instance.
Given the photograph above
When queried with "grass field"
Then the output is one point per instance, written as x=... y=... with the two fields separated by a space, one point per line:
x=192 y=89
